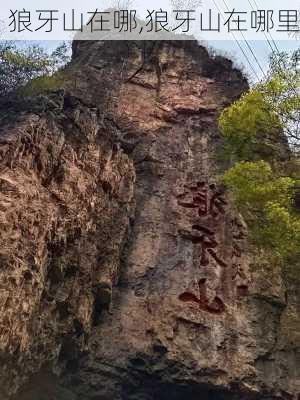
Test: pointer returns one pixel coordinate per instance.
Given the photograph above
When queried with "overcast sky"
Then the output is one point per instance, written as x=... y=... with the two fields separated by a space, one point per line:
x=260 y=48
x=231 y=49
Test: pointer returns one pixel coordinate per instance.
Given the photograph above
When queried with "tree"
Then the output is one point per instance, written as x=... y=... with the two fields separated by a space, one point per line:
x=266 y=202
x=185 y=4
x=252 y=131
x=121 y=4
x=281 y=91
x=18 y=66
x=262 y=142
x=253 y=125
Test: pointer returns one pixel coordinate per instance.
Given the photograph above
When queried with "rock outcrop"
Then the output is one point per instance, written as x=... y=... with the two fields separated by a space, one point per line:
x=126 y=272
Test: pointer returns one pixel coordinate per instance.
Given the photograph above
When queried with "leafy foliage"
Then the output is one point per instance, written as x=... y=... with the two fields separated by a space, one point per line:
x=266 y=201
x=261 y=142
x=42 y=84
x=254 y=184
x=282 y=92
x=18 y=66
x=249 y=127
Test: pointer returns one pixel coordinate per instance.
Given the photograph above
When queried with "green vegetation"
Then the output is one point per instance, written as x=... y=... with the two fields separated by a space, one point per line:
x=249 y=127
x=262 y=140
x=266 y=201
x=18 y=66
x=42 y=84
x=281 y=93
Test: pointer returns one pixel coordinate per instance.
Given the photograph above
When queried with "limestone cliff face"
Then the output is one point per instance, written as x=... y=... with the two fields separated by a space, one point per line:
x=125 y=270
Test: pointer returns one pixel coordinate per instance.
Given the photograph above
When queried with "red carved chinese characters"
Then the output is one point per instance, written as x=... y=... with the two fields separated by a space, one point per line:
x=208 y=202
x=214 y=307
x=206 y=238
x=210 y=207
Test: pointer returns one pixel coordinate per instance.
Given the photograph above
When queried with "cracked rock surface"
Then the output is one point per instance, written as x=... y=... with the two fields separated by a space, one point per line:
x=126 y=272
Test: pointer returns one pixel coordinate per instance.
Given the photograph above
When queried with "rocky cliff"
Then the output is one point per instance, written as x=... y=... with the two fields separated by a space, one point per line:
x=126 y=272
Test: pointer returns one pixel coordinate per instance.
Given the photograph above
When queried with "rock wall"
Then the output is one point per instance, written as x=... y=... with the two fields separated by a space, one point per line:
x=66 y=193
x=127 y=270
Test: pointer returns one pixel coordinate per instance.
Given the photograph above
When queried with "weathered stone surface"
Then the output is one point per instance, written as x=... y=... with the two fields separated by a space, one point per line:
x=169 y=301
x=65 y=203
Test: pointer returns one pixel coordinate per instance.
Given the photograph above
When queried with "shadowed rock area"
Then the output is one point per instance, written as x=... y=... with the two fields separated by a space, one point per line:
x=126 y=272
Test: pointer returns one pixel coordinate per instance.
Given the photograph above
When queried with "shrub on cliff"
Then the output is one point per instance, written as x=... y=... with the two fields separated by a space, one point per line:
x=250 y=128
x=267 y=202
x=18 y=66
x=42 y=84
x=261 y=134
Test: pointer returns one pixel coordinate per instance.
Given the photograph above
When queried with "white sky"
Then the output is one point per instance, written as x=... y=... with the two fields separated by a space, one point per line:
x=260 y=48
x=230 y=49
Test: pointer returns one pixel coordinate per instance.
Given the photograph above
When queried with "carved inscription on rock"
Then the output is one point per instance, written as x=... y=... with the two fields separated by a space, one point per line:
x=220 y=277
